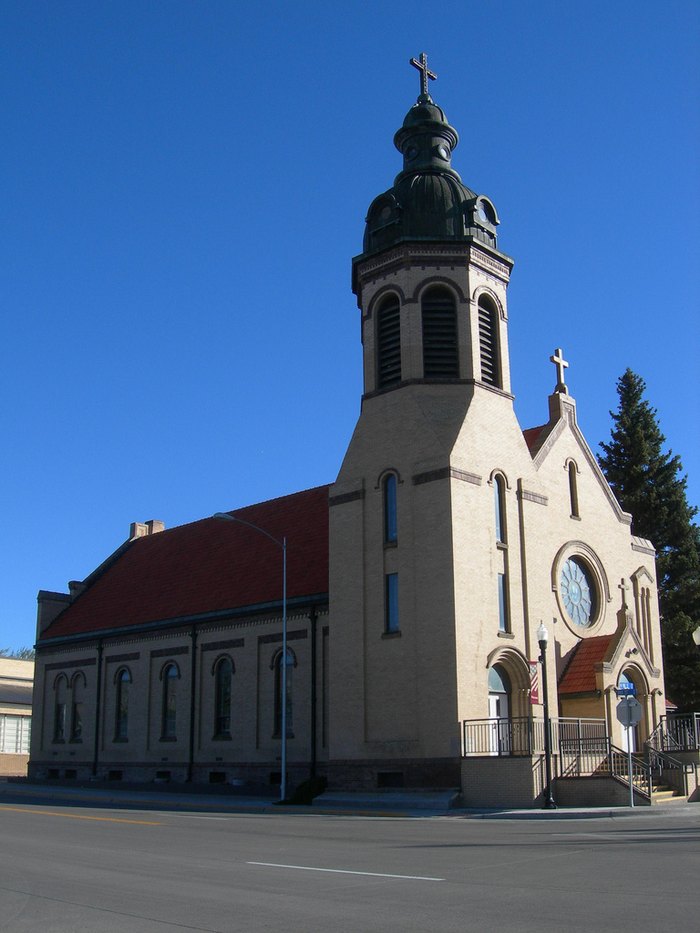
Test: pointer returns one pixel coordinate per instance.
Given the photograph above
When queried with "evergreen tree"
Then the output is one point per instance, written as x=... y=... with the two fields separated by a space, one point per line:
x=648 y=483
x=20 y=654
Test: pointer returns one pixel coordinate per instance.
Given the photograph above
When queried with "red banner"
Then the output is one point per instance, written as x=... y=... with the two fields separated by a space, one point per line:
x=534 y=682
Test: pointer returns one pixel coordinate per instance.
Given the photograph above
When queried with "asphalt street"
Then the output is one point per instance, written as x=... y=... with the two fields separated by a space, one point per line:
x=69 y=869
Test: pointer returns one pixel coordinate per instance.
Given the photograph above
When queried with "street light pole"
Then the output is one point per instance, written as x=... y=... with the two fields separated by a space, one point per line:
x=542 y=639
x=226 y=516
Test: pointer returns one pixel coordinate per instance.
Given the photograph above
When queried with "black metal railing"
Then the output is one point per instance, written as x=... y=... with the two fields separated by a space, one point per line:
x=525 y=736
x=668 y=770
x=509 y=737
x=640 y=776
x=680 y=732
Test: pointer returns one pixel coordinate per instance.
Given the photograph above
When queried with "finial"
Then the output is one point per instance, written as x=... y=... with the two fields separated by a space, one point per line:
x=561 y=364
x=425 y=73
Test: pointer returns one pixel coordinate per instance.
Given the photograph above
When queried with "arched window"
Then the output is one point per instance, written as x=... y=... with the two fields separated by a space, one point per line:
x=78 y=698
x=390 y=511
x=121 y=714
x=224 y=684
x=389 y=342
x=278 y=694
x=499 y=501
x=573 y=490
x=489 y=350
x=59 y=715
x=440 y=354
x=170 y=676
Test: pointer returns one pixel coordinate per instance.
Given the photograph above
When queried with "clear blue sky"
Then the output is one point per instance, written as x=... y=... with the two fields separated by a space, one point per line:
x=185 y=183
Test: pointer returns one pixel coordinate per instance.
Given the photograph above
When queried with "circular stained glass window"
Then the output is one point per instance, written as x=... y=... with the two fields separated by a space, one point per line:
x=578 y=592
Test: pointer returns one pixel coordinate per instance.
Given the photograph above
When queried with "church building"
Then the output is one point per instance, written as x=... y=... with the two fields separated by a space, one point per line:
x=417 y=622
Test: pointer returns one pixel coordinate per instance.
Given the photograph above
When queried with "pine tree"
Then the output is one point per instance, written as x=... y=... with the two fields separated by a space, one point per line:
x=649 y=483
x=19 y=654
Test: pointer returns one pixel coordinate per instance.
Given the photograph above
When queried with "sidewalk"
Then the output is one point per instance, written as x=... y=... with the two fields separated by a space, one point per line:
x=406 y=805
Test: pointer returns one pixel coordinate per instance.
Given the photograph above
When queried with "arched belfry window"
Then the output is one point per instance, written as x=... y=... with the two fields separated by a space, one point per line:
x=390 y=509
x=440 y=353
x=389 y=342
x=489 y=350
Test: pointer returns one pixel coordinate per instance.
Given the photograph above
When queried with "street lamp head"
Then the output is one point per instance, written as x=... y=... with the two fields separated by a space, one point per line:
x=696 y=636
x=542 y=635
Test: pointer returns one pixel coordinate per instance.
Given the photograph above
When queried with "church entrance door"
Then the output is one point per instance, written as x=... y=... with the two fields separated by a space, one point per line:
x=499 y=724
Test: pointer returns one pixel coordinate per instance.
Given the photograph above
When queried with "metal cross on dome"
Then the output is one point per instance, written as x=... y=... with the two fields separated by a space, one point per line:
x=561 y=364
x=425 y=73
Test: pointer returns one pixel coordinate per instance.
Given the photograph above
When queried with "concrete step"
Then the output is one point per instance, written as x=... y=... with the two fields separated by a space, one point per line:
x=666 y=797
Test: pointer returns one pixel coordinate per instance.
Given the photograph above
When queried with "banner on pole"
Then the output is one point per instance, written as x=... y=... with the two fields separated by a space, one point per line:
x=534 y=682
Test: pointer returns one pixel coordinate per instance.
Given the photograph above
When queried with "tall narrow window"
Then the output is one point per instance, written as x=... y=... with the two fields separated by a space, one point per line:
x=278 y=694
x=440 y=354
x=389 y=342
x=77 y=701
x=171 y=675
x=499 y=497
x=391 y=603
x=573 y=490
x=489 y=350
x=121 y=716
x=390 y=515
x=59 y=713
x=224 y=682
x=503 y=613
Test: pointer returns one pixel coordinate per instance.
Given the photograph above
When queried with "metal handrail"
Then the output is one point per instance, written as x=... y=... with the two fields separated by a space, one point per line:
x=672 y=770
x=641 y=778
x=683 y=730
x=523 y=735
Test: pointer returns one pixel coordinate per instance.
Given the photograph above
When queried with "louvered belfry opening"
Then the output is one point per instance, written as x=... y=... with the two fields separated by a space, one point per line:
x=488 y=343
x=389 y=342
x=440 y=353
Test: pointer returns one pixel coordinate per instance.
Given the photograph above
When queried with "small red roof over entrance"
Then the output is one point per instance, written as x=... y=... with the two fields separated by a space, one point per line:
x=579 y=676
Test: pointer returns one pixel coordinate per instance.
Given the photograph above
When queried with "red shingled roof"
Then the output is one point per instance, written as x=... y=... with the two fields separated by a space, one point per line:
x=208 y=565
x=579 y=676
x=533 y=435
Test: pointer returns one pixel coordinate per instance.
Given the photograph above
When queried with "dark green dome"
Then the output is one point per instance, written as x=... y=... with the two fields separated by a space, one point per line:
x=425 y=111
x=428 y=200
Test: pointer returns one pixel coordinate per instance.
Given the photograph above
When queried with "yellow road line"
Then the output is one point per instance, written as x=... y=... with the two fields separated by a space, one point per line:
x=77 y=816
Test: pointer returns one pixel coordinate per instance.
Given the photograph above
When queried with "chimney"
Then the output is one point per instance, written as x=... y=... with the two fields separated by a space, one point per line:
x=143 y=529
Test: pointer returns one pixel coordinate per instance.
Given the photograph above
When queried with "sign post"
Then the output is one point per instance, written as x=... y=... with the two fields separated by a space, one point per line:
x=629 y=713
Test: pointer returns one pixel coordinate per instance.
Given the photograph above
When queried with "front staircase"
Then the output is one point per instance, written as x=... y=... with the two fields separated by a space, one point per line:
x=664 y=793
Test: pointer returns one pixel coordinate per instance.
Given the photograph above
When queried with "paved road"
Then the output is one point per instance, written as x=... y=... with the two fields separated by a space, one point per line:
x=67 y=869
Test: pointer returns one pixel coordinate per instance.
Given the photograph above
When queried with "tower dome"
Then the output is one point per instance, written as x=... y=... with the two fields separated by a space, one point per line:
x=428 y=200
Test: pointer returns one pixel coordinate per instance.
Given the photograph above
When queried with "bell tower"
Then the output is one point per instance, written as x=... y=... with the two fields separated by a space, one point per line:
x=431 y=288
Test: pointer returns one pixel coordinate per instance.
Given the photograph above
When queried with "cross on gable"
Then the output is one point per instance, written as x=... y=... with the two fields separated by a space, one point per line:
x=561 y=364
x=622 y=586
x=425 y=73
